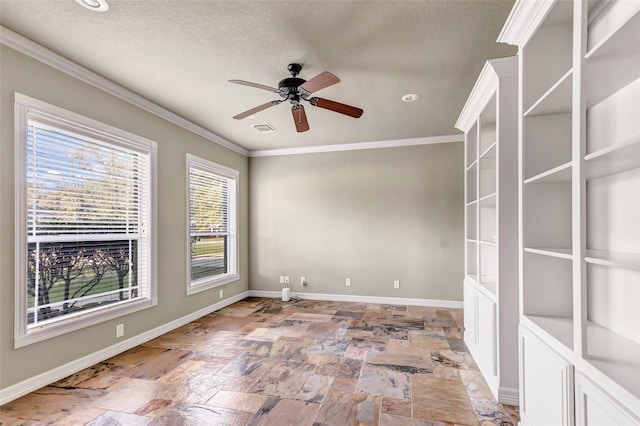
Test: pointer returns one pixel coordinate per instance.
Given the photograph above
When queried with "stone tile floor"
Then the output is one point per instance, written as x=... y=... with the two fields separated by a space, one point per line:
x=266 y=362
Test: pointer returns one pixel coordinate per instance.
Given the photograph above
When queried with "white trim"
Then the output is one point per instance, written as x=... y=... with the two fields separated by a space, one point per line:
x=202 y=164
x=12 y=392
x=46 y=56
x=52 y=59
x=357 y=146
x=448 y=304
x=523 y=21
x=24 y=107
x=510 y=396
x=486 y=84
x=17 y=390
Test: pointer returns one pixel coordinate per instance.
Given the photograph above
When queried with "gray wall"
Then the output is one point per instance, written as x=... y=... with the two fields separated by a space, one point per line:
x=374 y=216
x=22 y=74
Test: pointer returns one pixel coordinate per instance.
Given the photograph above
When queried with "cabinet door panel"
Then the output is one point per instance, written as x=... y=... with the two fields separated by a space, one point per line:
x=594 y=407
x=486 y=331
x=469 y=314
x=546 y=384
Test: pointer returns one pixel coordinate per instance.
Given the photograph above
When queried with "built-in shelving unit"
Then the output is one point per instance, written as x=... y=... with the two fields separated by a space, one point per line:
x=489 y=120
x=579 y=226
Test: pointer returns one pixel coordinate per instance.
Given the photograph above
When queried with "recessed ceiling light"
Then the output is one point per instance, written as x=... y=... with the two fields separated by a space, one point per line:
x=410 y=97
x=95 y=5
x=251 y=117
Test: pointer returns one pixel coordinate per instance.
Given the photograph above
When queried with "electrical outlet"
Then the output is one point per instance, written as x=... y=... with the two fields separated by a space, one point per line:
x=119 y=330
x=221 y=294
x=396 y=284
x=281 y=279
x=303 y=281
x=347 y=282
x=286 y=279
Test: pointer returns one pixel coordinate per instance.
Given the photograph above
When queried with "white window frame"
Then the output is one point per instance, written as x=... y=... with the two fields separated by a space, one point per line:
x=234 y=253
x=24 y=335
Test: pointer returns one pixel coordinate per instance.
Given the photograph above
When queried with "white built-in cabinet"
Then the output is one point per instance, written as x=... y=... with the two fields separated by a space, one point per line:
x=489 y=121
x=579 y=178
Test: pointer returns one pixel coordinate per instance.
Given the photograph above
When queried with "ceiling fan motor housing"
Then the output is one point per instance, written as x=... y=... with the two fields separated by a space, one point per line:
x=290 y=85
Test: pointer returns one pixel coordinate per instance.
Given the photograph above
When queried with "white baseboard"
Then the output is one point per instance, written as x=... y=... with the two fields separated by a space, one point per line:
x=34 y=383
x=503 y=395
x=451 y=304
x=509 y=396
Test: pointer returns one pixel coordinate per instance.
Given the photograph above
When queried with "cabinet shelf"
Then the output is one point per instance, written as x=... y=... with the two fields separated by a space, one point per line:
x=489 y=121
x=549 y=143
x=471 y=223
x=488 y=200
x=471 y=146
x=580 y=186
x=556 y=100
x=560 y=328
x=562 y=173
x=614 y=259
x=553 y=252
x=488 y=289
x=614 y=61
x=489 y=152
x=547 y=214
x=614 y=159
x=614 y=355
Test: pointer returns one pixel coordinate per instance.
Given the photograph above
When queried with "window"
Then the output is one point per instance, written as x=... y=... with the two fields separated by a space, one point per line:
x=212 y=211
x=84 y=221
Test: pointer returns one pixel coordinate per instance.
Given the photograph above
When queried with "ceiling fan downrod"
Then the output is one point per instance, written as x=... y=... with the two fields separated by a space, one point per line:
x=294 y=69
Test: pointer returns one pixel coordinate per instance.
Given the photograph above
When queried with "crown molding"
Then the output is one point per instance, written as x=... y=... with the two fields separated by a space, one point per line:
x=492 y=72
x=54 y=60
x=523 y=21
x=40 y=53
x=357 y=146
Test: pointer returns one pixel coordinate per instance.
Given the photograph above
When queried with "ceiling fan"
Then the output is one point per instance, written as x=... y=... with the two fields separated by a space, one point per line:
x=295 y=90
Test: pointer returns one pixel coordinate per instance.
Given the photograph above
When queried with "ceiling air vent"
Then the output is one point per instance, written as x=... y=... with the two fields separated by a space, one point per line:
x=264 y=128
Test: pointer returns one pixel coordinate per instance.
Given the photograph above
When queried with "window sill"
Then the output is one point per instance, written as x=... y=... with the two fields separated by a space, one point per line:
x=83 y=320
x=209 y=284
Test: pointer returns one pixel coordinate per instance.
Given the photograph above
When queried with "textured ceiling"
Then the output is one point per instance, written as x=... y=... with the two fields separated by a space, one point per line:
x=180 y=54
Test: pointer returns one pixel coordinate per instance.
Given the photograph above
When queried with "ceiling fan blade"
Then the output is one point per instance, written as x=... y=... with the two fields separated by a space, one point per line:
x=300 y=118
x=349 y=110
x=256 y=109
x=256 y=85
x=320 y=81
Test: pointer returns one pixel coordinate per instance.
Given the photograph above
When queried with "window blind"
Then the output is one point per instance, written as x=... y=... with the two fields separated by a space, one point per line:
x=88 y=218
x=212 y=223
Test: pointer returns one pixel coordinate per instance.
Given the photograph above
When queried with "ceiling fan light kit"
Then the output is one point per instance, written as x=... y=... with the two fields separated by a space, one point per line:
x=295 y=90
